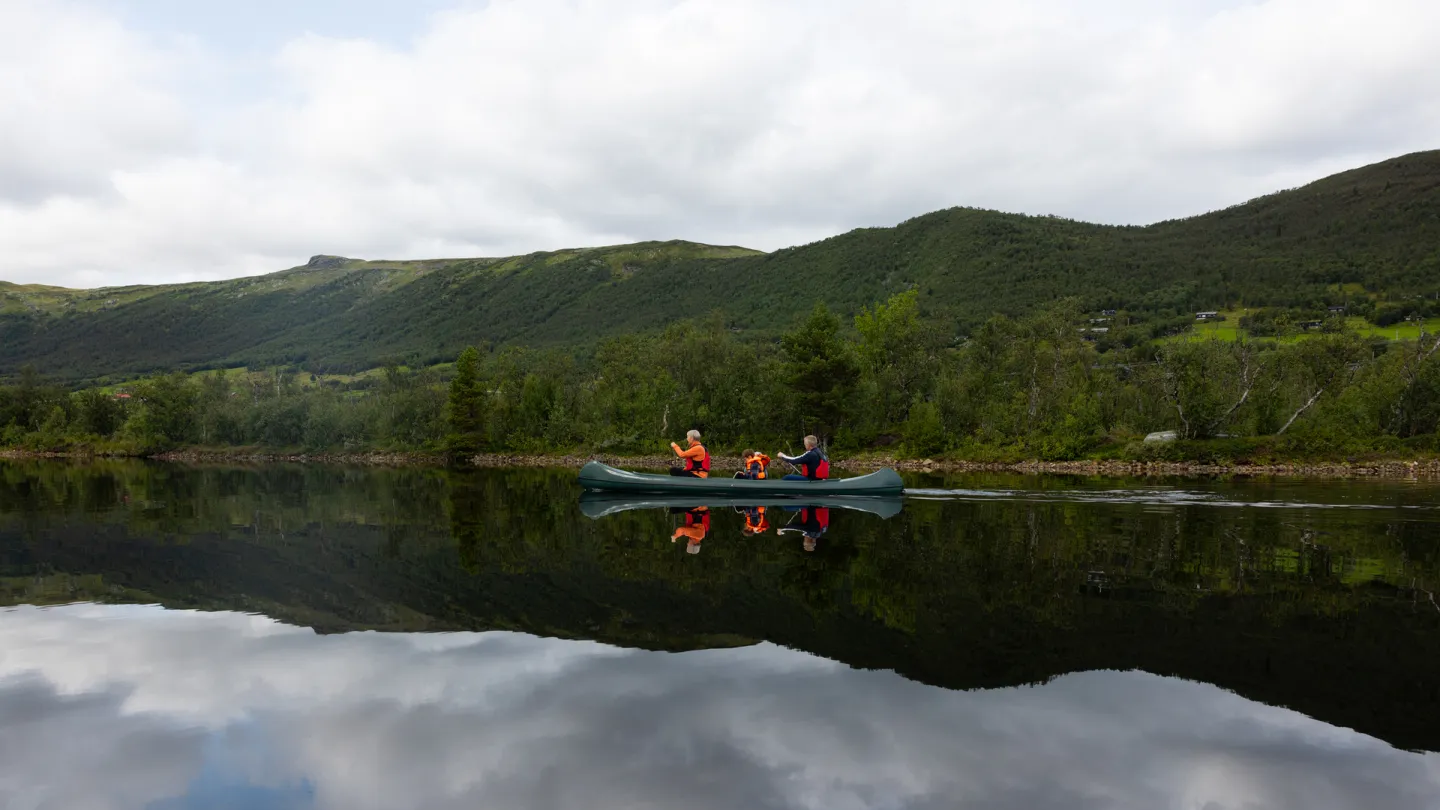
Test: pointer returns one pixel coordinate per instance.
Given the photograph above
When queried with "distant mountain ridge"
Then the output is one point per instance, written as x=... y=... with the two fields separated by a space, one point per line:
x=1372 y=232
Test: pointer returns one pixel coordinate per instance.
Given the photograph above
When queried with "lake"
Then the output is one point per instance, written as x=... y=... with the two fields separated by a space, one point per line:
x=307 y=636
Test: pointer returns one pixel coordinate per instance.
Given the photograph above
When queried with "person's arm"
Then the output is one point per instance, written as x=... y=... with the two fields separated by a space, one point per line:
x=697 y=451
x=810 y=457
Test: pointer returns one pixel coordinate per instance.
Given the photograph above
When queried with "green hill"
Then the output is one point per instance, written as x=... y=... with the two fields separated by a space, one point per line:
x=1363 y=237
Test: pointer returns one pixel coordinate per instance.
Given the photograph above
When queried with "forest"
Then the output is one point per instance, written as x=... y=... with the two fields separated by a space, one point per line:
x=887 y=380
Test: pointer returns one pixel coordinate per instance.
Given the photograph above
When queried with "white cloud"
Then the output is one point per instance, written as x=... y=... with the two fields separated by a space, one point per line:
x=518 y=126
x=129 y=707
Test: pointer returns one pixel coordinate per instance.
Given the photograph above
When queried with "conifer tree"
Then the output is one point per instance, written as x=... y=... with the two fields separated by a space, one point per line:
x=467 y=404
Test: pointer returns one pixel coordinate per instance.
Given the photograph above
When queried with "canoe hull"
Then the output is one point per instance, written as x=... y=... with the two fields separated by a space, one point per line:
x=596 y=505
x=604 y=478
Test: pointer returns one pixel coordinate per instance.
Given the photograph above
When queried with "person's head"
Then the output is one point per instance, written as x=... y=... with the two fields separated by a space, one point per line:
x=809 y=544
x=748 y=454
x=747 y=531
x=811 y=442
x=692 y=547
x=693 y=436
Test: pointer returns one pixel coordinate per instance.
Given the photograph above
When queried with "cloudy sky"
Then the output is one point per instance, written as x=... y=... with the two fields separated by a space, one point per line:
x=122 y=708
x=163 y=140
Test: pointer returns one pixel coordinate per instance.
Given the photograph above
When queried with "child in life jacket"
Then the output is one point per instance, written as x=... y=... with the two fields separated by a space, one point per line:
x=753 y=464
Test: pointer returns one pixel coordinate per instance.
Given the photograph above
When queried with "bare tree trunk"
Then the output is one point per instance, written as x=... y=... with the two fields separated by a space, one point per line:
x=1170 y=388
x=1296 y=415
x=1034 y=388
x=1248 y=375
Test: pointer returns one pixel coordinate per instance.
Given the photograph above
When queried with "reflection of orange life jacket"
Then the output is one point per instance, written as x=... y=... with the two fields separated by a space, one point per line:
x=697 y=523
x=702 y=519
x=755 y=520
x=756 y=465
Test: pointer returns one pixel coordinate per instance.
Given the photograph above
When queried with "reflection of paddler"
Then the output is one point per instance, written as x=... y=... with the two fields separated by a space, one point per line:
x=813 y=521
x=696 y=525
x=755 y=521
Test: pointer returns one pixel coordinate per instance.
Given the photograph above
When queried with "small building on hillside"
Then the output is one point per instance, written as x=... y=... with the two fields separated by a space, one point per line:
x=1108 y=312
x=1207 y=316
x=1308 y=325
x=1340 y=310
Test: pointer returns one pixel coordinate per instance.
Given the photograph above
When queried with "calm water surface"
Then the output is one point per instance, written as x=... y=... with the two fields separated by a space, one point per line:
x=296 y=637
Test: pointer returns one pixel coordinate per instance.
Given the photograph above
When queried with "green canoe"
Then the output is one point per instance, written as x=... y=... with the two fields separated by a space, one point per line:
x=597 y=476
x=596 y=505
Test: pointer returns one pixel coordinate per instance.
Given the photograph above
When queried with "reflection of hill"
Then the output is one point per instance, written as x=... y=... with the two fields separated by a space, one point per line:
x=958 y=595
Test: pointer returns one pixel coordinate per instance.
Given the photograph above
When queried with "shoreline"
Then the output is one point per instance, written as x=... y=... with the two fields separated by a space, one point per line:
x=1371 y=469
x=1389 y=469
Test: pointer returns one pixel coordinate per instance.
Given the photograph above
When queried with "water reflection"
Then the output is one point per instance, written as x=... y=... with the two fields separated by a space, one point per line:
x=132 y=707
x=807 y=517
x=1327 y=611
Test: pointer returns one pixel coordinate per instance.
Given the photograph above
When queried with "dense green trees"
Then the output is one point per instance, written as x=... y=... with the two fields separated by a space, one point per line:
x=1035 y=387
x=820 y=370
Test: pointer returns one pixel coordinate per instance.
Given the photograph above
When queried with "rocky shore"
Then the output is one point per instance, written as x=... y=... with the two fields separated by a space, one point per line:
x=1367 y=469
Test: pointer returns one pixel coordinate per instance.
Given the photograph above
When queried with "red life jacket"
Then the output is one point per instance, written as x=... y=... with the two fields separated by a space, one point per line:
x=822 y=470
x=699 y=465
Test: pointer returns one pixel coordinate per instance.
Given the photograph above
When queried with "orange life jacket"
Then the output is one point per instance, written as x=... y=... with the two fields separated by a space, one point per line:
x=756 y=464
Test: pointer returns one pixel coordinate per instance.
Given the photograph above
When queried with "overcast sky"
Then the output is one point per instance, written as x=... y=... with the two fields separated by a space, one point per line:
x=165 y=140
x=123 y=708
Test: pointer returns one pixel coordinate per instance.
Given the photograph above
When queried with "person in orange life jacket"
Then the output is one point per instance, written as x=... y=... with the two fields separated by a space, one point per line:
x=696 y=458
x=754 y=463
x=813 y=464
x=697 y=524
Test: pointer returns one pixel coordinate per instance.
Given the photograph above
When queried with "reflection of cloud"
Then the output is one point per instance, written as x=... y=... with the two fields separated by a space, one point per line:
x=117 y=707
x=84 y=751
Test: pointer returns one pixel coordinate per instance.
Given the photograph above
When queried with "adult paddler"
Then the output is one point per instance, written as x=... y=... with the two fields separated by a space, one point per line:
x=696 y=457
x=812 y=463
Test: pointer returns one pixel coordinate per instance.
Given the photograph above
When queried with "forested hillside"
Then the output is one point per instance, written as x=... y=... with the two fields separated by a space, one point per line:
x=1368 y=238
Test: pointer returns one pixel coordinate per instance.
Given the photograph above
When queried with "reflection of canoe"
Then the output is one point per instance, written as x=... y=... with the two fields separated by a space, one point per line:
x=600 y=504
x=604 y=477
